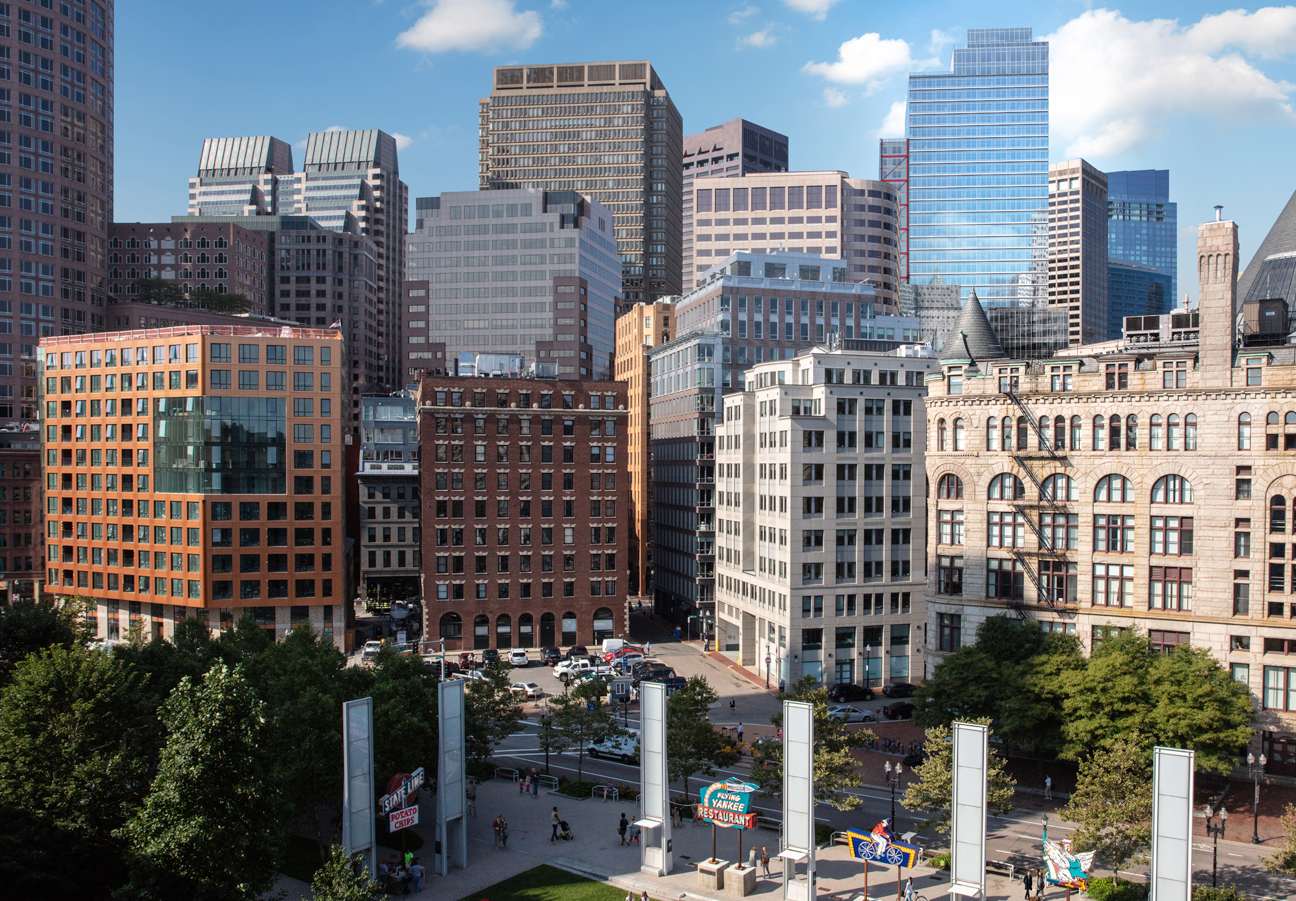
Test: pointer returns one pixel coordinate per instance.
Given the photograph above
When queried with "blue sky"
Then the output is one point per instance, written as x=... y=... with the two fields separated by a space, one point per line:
x=1196 y=88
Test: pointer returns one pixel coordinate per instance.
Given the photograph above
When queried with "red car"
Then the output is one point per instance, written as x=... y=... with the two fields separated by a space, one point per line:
x=621 y=652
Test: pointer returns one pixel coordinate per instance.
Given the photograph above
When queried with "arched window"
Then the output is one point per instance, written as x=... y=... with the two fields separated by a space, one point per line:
x=1059 y=433
x=1155 y=433
x=1290 y=418
x=1099 y=433
x=1172 y=490
x=1075 y=433
x=1190 y=432
x=1131 y=432
x=960 y=435
x=547 y=630
x=451 y=626
x=503 y=631
x=1060 y=487
x=1007 y=487
x=481 y=631
x=526 y=631
x=1045 y=433
x=992 y=433
x=603 y=624
x=1271 y=419
x=1006 y=434
x=1278 y=515
x=1172 y=432
x=949 y=487
x=1244 y=431
x=569 y=629
x=940 y=435
x=1114 y=489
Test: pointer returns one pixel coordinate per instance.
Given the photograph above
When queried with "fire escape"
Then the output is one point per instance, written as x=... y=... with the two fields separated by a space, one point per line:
x=1048 y=502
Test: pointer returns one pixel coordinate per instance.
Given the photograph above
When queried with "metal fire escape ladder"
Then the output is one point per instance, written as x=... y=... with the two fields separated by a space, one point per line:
x=1028 y=511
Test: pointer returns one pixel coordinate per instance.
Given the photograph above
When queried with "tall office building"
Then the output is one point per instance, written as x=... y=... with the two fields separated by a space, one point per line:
x=520 y=271
x=609 y=130
x=1143 y=223
x=894 y=170
x=1077 y=251
x=822 y=213
x=1134 y=290
x=219 y=255
x=978 y=168
x=239 y=176
x=730 y=150
x=389 y=498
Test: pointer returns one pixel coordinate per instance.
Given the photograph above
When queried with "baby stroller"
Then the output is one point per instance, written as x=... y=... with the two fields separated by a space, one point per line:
x=564 y=831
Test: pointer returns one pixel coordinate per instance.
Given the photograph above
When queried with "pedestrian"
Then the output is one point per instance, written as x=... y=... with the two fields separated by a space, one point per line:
x=416 y=870
x=782 y=686
x=535 y=783
x=555 y=821
x=644 y=895
x=765 y=860
x=622 y=827
x=503 y=831
x=409 y=858
x=521 y=784
x=497 y=829
x=1048 y=788
x=647 y=648
x=733 y=705
x=1027 y=883
x=384 y=874
x=630 y=896
x=740 y=733
x=908 y=889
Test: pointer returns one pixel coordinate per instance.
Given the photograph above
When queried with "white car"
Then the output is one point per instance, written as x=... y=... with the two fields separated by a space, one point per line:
x=528 y=690
x=846 y=714
x=371 y=649
x=518 y=657
x=624 y=748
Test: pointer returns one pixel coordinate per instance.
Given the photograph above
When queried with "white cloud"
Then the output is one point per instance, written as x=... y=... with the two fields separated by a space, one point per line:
x=816 y=9
x=834 y=97
x=868 y=60
x=738 y=16
x=337 y=128
x=402 y=141
x=893 y=126
x=1117 y=83
x=472 y=25
x=558 y=4
x=941 y=39
x=759 y=39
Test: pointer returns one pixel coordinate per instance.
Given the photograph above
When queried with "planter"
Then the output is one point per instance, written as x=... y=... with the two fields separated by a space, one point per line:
x=711 y=874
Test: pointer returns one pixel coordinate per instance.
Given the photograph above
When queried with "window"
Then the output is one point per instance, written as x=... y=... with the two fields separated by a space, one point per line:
x=951 y=526
x=1114 y=489
x=1277 y=516
x=1004 y=579
x=960 y=435
x=1172 y=490
x=1244 y=431
x=950 y=487
x=1007 y=487
x=1172 y=535
x=1006 y=529
x=1058 y=580
x=1114 y=534
x=949 y=575
x=1166 y=642
x=1059 y=531
x=1241 y=596
x=951 y=631
x=1060 y=487
x=1113 y=585
x=1170 y=588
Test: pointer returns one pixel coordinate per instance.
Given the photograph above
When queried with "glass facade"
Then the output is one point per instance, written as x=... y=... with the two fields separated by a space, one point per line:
x=978 y=169
x=219 y=445
x=1142 y=223
x=1134 y=290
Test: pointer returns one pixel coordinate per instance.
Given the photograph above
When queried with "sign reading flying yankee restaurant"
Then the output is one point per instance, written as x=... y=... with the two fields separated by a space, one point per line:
x=726 y=804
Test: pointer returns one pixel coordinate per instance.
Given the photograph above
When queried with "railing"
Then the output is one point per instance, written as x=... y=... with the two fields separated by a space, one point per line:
x=179 y=331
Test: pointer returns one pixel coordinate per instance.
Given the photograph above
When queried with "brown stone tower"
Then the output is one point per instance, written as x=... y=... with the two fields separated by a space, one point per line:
x=1217 y=253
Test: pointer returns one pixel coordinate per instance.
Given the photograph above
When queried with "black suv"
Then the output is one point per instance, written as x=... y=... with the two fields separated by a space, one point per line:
x=550 y=656
x=578 y=652
x=846 y=692
x=899 y=690
x=490 y=657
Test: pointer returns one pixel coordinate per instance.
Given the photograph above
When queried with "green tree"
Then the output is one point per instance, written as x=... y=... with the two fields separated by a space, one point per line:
x=491 y=712
x=834 y=765
x=552 y=740
x=160 y=291
x=1113 y=801
x=343 y=878
x=31 y=626
x=1185 y=699
x=208 y=828
x=1284 y=859
x=692 y=744
x=579 y=718
x=77 y=747
x=208 y=299
x=931 y=794
x=162 y=663
x=404 y=691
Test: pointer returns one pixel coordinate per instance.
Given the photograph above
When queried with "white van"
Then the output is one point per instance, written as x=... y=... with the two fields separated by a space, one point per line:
x=612 y=644
x=624 y=748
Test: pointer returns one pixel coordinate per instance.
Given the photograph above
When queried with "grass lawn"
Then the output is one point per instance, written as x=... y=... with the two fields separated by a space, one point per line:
x=548 y=884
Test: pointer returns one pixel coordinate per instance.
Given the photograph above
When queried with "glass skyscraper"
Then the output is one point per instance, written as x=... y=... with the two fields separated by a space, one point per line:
x=1142 y=222
x=978 y=169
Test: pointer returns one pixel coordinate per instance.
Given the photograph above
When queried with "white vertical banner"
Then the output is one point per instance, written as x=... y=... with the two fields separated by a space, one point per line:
x=968 y=809
x=358 y=781
x=451 y=825
x=1172 y=783
x=798 y=797
x=655 y=854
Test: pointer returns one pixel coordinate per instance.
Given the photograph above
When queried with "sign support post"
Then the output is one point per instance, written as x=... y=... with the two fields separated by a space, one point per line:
x=968 y=805
x=451 y=824
x=358 y=782
x=1170 y=872
x=655 y=854
x=798 y=800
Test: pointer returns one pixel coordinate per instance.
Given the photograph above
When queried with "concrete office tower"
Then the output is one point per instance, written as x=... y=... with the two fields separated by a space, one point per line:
x=821 y=213
x=240 y=177
x=893 y=160
x=730 y=150
x=818 y=563
x=1134 y=290
x=389 y=498
x=221 y=256
x=522 y=549
x=1077 y=252
x=216 y=461
x=623 y=149
x=978 y=168
x=511 y=270
x=356 y=174
x=1143 y=224
x=936 y=306
x=643 y=327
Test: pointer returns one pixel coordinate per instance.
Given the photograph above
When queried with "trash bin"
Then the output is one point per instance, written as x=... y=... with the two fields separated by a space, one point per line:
x=677 y=633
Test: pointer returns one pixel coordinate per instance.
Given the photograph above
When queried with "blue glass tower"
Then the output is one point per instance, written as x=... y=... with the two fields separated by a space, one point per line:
x=1142 y=223
x=978 y=169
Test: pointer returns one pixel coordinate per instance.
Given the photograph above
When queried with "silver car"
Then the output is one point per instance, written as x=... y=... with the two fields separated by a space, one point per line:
x=846 y=714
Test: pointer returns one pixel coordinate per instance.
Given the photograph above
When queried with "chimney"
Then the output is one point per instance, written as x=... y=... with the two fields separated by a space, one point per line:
x=1217 y=270
x=1219 y=213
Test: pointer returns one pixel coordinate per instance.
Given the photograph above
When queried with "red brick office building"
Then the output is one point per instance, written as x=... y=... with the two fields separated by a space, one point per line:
x=525 y=517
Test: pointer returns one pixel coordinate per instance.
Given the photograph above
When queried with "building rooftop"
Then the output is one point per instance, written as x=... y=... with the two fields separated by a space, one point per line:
x=178 y=331
x=971 y=337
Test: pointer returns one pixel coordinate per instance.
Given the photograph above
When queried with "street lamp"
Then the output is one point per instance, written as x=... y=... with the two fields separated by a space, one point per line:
x=1255 y=772
x=893 y=781
x=1216 y=831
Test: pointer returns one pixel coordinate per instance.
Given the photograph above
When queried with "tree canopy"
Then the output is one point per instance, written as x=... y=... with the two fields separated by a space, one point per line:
x=931 y=794
x=692 y=744
x=167 y=293
x=1113 y=801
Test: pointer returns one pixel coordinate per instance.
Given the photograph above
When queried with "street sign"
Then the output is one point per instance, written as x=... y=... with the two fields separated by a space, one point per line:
x=403 y=818
x=397 y=798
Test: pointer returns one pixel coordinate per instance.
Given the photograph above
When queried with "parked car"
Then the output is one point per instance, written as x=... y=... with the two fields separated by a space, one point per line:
x=621 y=652
x=845 y=692
x=902 y=711
x=490 y=657
x=371 y=650
x=847 y=714
x=570 y=669
x=518 y=657
x=550 y=656
x=915 y=758
x=899 y=690
x=623 y=747
x=528 y=690
x=656 y=674
x=577 y=651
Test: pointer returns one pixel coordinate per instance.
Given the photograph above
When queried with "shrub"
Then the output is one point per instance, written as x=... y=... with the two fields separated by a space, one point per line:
x=1228 y=893
x=1109 y=889
x=941 y=862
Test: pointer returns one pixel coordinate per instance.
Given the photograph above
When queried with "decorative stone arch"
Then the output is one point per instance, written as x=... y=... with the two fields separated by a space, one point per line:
x=1281 y=480
x=1116 y=467
x=948 y=467
x=1144 y=482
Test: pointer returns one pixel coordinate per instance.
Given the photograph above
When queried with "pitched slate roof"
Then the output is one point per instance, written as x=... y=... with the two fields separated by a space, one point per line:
x=971 y=337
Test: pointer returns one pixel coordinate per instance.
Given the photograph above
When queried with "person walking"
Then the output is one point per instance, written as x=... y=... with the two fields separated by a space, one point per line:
x=733 y=705
x=416 y=870
x=1048 y=788
x=647 y=648
x=622 y=827
x=498 y=830
x=764 y=860
x=555 y=821
x=908 y=889
x=782 y=686
x=1027 y=884
x=740 y=733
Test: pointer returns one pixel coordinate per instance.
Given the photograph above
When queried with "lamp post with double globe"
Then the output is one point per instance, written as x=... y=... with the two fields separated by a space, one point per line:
x=1255 y=772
